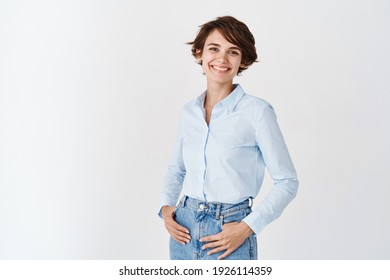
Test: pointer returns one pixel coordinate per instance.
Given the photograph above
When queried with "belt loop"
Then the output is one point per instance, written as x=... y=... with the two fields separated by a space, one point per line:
x=182 y=201
x=218 y=211
x=250 y=202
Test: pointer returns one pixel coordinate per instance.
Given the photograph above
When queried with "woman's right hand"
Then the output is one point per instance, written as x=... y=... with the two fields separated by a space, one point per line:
x=178 y=232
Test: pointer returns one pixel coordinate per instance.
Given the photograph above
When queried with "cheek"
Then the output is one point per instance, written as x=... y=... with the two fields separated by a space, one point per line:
x=205 y=58
x=205 y=61
x=238 y=61
x=238 y=64
x=204 y=64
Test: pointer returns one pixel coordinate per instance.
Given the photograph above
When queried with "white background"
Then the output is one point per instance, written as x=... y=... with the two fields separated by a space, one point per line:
x=90 y=94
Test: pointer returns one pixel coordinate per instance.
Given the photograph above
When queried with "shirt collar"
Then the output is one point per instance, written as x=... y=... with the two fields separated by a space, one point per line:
x=229 y=101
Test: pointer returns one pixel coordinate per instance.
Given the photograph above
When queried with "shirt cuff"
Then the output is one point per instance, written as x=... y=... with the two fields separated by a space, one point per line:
x=160 y=212
x=255 y=222
x=166 y=202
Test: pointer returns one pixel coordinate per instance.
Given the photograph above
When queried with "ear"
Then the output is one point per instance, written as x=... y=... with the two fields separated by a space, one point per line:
x=198 y=55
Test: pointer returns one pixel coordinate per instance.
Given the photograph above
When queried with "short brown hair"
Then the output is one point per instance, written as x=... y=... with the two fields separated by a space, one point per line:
x=234 y=31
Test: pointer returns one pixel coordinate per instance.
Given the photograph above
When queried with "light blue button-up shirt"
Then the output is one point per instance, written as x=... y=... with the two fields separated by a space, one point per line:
x=225 y=160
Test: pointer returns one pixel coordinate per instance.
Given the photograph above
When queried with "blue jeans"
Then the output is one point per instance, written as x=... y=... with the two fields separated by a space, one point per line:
x=207 y=218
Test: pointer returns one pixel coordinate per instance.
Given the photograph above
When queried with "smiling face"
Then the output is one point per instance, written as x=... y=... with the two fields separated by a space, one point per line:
x=220 y=59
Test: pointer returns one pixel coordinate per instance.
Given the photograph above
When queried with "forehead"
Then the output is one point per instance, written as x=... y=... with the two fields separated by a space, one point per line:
x=216 y=37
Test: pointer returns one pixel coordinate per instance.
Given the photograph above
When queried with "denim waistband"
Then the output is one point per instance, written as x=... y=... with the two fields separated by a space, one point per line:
x=215 y=208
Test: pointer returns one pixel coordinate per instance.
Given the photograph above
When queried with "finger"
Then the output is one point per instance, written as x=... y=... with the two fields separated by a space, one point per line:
x=181 y=240
x=178 y=233
x=224 y=255
x=209 y=238
x=182 y=231
x=212 y=245
x=179 y=236
x=217 y=250
x=182 y=236
x=176 y=225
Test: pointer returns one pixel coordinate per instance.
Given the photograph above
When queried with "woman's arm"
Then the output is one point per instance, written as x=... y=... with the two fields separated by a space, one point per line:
x=280 y=167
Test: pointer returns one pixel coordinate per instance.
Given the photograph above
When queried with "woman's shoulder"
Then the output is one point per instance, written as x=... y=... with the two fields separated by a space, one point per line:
x=189 y=106
x=194 y=103
x=254 y=102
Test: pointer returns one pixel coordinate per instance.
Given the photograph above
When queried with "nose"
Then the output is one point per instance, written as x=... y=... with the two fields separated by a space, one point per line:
x=222 y=56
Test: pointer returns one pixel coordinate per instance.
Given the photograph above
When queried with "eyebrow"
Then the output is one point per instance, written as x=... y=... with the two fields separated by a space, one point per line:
x=218 y=45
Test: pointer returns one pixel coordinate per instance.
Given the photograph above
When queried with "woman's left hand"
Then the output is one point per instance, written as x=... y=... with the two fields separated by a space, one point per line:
x=229 y=239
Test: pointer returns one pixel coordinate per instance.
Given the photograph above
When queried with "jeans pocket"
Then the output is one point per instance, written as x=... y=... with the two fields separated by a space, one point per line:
x=234 y=216
x=248 y=249
x=175 y=212
x=253 y=247
x=179 y=206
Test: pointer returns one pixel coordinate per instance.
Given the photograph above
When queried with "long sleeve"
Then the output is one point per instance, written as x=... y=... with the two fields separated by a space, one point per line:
x=174 y=177
x=281 y=169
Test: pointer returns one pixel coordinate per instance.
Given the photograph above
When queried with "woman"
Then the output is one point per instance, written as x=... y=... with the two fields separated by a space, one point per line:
x=226 y=139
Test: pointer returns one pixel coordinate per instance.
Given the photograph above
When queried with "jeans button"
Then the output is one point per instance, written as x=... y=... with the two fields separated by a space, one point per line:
x=201 y=206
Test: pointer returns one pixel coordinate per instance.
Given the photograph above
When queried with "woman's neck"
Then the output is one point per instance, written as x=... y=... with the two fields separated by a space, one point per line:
x=217 y=92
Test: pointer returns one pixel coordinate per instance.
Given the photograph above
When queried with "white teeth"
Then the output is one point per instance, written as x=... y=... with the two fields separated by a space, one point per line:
x=220 y=68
